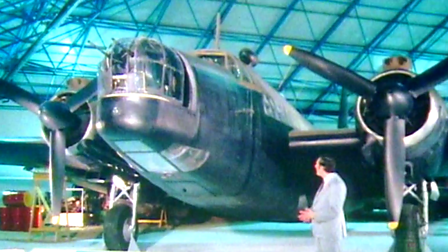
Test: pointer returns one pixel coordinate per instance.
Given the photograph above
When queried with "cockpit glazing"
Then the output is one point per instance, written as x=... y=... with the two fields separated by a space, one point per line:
x=141 y=65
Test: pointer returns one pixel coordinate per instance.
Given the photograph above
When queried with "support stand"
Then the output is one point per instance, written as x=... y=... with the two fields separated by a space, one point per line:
x=39 y=200
x=162 y=222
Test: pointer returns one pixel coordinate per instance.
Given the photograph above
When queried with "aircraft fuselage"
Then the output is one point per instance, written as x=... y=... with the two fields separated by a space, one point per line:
x=219 y=157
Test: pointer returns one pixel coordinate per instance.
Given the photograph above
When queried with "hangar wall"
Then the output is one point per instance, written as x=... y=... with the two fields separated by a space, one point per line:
x=17 y=124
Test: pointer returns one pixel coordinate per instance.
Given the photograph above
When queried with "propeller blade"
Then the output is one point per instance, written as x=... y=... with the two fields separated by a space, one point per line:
x=83 y=95
x=20 y=96
x=395 y=158
x=332 y=72
x=423 y=82
x=57 y=170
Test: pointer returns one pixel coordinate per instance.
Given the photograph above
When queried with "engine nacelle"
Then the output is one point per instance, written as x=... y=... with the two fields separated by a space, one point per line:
x=426 y=123
x=86 y=129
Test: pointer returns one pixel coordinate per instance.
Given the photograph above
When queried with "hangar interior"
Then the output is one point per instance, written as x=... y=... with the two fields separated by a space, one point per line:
x=45 y=44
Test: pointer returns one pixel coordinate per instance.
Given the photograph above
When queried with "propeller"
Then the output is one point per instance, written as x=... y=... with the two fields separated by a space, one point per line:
x=393 y=102
x=423 y=82
x=57 y=116
x=331 y=71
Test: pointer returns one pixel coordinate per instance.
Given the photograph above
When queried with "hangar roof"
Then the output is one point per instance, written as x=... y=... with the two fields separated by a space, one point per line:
x=45 y=43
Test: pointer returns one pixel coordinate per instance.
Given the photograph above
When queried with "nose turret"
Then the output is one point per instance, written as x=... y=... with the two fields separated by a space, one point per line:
x=142 y=65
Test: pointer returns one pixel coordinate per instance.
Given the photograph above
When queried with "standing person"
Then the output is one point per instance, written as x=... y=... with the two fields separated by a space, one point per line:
x=326 y=214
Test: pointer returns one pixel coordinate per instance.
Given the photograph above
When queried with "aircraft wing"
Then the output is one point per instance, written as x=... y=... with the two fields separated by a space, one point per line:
x=34 y=153
x=324 y=139
x=345 y=145
x=28 y=152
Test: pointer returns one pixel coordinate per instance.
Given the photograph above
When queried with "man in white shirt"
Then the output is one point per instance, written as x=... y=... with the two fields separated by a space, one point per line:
x=326 y=213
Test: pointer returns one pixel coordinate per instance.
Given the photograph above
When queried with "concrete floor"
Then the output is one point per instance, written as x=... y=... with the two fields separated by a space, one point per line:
x=240 y=236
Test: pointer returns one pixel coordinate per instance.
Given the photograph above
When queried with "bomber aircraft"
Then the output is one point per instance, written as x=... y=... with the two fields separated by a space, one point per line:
x=203 y=128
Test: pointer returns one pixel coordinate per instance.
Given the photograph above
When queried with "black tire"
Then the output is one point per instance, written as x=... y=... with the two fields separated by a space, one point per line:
x=114 y=223
x=407 y=236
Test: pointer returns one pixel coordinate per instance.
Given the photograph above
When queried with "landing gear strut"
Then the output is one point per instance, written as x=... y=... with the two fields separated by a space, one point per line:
x=412 y=231
x=120 y=223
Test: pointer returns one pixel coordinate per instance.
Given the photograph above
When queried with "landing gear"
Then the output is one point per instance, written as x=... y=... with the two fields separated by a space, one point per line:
x=412 y=231
x=407 y=235
x=120 y=226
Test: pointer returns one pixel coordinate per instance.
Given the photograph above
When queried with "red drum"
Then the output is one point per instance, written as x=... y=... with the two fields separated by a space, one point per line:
x=15 y=218
x=26 y=219
x=19 y=199
x=21 y=217
x=5 y=219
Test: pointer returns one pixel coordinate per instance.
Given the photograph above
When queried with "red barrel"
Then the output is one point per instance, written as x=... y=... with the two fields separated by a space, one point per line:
x=19 y=199
x=15 y=218
x=5 y=219
x=26 y=219
x=21 y=217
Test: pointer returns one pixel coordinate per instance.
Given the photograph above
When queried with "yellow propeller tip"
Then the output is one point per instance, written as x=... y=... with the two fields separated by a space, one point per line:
x=393 y=225
x=287 y=49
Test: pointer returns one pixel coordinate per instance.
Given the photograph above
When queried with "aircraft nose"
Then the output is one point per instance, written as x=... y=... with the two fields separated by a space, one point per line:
x=145 y=116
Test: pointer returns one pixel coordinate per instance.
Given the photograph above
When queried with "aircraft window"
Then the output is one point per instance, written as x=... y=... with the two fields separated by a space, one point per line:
x=232 y=65
x=238 y=70
x=245 y=76
x=216 y=59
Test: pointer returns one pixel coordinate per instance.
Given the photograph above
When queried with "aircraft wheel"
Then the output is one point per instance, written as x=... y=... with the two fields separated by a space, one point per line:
x=407 y=236
x=117 y=227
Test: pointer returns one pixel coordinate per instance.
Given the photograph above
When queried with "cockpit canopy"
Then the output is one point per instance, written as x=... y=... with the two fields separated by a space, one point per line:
x=227 y=61
x=141 y=65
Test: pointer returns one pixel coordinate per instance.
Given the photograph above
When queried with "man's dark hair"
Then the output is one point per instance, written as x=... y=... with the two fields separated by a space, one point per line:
x=328 y=163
